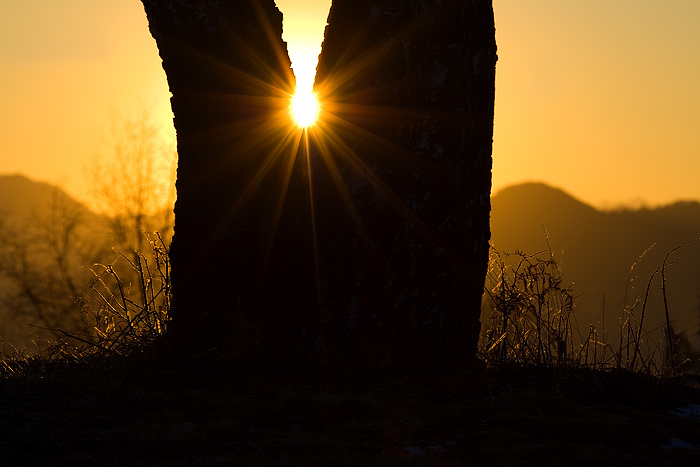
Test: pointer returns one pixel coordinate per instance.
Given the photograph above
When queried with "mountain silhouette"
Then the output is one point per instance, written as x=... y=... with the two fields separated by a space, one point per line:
x=48 y=244
x=597 y=250
x=41 y=225
x=24 y=201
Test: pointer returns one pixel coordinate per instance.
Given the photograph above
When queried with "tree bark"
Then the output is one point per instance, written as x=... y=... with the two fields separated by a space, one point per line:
x=230 y=79
x=404 y=189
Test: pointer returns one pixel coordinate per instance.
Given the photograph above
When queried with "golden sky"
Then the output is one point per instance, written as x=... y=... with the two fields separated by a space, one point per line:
x=598 y=97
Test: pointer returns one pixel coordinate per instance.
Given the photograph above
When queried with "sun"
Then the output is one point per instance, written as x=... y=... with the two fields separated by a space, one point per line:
x=304 y=108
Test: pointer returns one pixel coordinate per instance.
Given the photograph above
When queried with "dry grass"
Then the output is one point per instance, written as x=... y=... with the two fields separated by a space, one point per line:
x=531 y=320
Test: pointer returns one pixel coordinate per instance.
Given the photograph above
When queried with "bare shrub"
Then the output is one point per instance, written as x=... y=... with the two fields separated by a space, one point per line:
x=118 y=321
x=531 y=311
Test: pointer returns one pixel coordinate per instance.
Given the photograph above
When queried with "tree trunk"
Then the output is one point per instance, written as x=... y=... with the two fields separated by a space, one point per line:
x=370 y=250
x=403 y=189
x=230 y=79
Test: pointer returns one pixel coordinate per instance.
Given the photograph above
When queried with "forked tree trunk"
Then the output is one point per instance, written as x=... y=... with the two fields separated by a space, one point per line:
x=378 y=254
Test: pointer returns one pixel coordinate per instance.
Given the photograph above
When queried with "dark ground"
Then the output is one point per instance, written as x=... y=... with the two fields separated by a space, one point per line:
x=134 y=412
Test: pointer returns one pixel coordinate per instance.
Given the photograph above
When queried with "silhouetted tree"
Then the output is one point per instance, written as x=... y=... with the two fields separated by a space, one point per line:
x=375 y=247
x=408 y=89
x=132 y=177
x=230 y=79
x=57 y=260
x=42 y=270
x=133 y=185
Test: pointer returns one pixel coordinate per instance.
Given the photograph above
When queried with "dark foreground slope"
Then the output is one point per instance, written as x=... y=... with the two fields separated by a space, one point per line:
x=138 y=411
x=127 y=412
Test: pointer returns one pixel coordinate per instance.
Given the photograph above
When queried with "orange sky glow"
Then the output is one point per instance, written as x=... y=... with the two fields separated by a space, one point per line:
x=598 y=97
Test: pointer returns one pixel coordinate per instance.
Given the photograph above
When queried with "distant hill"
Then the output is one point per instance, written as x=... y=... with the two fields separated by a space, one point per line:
x=598 y=248
x=48 y=243
x=25 y=200
x=38 y=223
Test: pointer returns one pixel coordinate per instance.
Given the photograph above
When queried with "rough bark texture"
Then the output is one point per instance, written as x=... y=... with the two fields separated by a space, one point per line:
x=230 y=79
x=383 y=260
x=408 y=86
